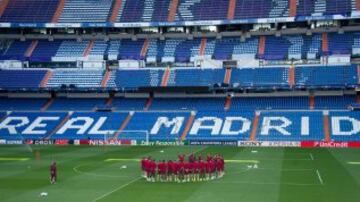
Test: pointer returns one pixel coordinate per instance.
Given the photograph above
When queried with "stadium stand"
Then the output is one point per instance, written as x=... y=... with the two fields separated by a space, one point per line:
x=20 y=79
x=77 y=104
x=85 y=11
x=75 y=79
x=23 y=104
x=29 y=11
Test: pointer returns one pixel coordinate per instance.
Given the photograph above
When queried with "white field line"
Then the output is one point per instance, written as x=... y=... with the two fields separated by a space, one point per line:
x=115 y=190
x=311 y=156
x=264 y=183
x=130 y=182
x=319 y=177
x=77 y=170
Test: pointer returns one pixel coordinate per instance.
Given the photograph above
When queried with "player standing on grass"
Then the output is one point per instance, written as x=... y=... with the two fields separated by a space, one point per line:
x=53 y=173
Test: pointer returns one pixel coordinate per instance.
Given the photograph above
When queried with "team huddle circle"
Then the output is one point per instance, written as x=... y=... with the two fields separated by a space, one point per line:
x=195 y=169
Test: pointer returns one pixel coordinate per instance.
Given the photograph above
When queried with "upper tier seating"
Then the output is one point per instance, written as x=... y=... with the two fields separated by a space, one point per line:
x=95 y=11
x=86 y=11
x=181 y=50
x=78 y=78
x=189 y=10
x=18 y=79
x=32 y=11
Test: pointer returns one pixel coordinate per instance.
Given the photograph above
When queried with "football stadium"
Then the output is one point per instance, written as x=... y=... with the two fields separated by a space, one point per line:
x=180 y=100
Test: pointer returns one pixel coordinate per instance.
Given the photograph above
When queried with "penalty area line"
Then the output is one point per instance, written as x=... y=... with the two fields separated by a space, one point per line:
x=115 y=190
x=319 y=177
x=354 y=162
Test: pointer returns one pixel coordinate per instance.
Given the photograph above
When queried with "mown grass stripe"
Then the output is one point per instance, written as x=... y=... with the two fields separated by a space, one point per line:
x=13 y=159
x=354 y=162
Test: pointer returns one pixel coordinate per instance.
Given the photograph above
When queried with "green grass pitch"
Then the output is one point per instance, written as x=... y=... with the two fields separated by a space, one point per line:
x=89 y=174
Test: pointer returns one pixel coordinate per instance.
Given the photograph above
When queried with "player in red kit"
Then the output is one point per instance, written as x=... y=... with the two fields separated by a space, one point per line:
x=161 y=171
x=181 y=157
x=53 y=173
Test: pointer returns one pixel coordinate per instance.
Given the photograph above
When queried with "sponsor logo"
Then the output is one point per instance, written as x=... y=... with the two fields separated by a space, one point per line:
x=162 y=143
x=14 y=142
x=61 y=142
x=268 y=144
x=330 y=144
x=43 y=142
x=2 y=141
x=215 y=143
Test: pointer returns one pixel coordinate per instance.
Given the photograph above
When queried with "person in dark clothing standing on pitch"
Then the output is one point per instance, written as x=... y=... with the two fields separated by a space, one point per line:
x=53 y=173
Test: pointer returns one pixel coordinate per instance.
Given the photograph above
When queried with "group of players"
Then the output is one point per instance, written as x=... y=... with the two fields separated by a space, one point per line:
x=195 y=169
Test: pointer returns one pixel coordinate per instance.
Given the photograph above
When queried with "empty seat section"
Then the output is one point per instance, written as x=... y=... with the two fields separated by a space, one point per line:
x=331 y=76
x=184 y=49
x=21 y=104
x=260 y=77
x=85 y=11
x=17 y=79
x=340 y=43
x=268 y=103
x=305 y=7
x=45 y=50
x=276 y=48
x=196 y=77
x=98 y=50
x=76 y=78
x=294 y=126
x=132 y=79
x=32 y=11
x=247 y=47
x=338 y=7
x=155 y=50
x=128 y=104
x=132 y=11
x=252 y=9
x=312 y=46
x=15 y=50
x=189 y=10
x=197 y=104
x=78 y=104
x=334 y=102
x=159 y=10
x=130 y=50
x=224 y=48
x=70 y=50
